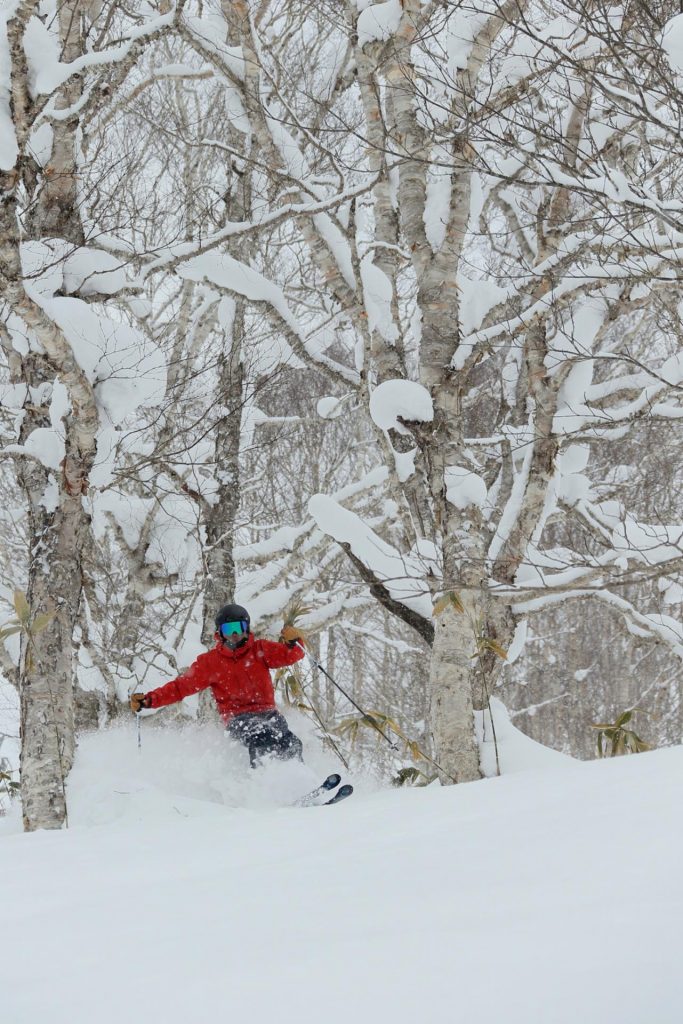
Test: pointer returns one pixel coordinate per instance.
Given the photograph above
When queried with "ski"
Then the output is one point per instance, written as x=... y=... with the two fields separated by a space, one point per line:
x=341 y=794
x=308 y=799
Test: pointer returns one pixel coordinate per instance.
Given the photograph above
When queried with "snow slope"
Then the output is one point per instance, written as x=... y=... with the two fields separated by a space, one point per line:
x=547 y=896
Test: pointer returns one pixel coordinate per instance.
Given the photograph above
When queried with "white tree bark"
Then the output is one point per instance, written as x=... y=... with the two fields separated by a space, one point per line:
x=451 y=702
x=56 y=538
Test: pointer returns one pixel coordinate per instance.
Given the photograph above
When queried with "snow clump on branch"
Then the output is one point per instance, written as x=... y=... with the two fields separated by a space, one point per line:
x=464 y=488
x=396 y=400
x=379 y=22
x=329 y=407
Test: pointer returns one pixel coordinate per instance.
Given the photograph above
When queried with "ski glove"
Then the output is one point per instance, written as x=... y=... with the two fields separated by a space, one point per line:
x=138 y=701
x=290 y=635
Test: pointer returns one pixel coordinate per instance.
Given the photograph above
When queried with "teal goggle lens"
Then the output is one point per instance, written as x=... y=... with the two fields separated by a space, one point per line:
x=233 y=628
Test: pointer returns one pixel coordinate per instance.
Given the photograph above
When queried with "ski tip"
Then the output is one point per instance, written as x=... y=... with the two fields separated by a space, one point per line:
x=312 y=799
x=342 y=793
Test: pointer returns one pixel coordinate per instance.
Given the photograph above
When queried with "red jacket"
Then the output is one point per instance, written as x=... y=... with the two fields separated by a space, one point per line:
x=240 y=679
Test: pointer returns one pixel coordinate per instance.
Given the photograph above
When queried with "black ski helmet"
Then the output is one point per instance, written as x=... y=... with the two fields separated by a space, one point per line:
x=232 y=613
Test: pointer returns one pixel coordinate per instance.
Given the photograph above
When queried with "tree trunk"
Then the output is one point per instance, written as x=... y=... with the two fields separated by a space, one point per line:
x=46 y=668
x=55 y=212
x=451 y=709
x=221 y=516
x=57 y=520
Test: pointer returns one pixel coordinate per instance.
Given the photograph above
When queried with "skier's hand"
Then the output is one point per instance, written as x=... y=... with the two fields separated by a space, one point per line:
x=138 y=701
x=290 y=635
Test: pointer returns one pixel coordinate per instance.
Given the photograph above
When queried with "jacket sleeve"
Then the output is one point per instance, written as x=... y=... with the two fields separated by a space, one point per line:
x=196 y=678
x=278 y=655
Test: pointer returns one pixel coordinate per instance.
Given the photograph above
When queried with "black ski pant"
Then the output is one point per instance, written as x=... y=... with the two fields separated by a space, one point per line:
x=265 y=733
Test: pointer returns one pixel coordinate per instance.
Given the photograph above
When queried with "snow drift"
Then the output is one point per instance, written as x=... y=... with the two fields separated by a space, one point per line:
x=525 y=899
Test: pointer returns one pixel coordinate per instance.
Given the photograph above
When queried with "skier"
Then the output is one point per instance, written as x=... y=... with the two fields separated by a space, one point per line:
x=238 y=671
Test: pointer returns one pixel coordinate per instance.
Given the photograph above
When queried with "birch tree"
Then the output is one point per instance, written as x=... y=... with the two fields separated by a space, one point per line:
x=51 y=345
x=490 y=247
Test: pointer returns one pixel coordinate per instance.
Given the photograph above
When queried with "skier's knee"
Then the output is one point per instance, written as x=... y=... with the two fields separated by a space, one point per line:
x=292 y=747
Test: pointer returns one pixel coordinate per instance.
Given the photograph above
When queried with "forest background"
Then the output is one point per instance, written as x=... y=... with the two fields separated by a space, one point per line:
x=368 y=315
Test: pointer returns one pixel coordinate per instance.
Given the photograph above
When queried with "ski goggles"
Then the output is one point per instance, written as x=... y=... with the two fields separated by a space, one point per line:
x=234 y=628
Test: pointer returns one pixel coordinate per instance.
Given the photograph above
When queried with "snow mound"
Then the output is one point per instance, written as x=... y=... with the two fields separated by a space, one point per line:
x=512 y=900
x=516 y=752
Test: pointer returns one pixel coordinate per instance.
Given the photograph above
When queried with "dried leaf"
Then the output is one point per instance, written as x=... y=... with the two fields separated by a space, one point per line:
x=41 y=621
x=614 y=740
x=493 y=645
x=449 y=598
x=376 y=721
x=348 y=726
x=414 y=750
x=296 y=610
x=8 y=631
x=21 y=606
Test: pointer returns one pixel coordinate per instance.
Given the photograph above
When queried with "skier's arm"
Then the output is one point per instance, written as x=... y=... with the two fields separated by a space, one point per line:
x=278 y=655
x=192 y=681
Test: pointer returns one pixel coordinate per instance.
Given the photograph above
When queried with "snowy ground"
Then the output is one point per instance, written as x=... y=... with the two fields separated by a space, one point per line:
x=550 y=895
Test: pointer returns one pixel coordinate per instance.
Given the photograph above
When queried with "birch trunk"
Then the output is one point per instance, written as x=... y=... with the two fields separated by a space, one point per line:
x=46 y=667
x=451 y=706
x=458 y=681
x=453 y=672
x=54 y=212
x=56 y=534
x=221 y=517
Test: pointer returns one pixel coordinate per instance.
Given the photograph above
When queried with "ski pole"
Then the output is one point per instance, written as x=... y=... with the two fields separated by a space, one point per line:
x=137 y=719
x=350 y=699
